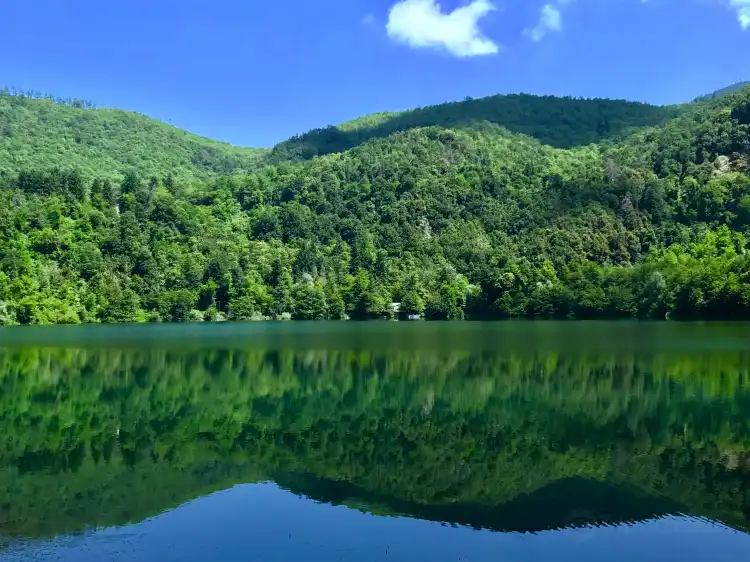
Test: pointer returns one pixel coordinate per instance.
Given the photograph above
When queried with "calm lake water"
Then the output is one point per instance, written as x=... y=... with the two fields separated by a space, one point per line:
x=376 y=442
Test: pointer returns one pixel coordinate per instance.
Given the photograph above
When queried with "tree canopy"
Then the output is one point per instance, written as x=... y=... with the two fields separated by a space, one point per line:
x=470 y=222
x=559 y=122
x=42 y=132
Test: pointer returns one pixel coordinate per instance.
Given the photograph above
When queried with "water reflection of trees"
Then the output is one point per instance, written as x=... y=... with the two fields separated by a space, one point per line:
x=93 y=436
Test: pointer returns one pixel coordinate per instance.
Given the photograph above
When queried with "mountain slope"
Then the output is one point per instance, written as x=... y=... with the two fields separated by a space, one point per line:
x=559 y=122
x=476 y=222
x=724 y=91
x=38 y=134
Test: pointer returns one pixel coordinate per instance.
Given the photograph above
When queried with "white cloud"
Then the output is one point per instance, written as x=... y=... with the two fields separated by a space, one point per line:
x=743 y=12
x=550 y=19
x=422 y=24
x=369 y=19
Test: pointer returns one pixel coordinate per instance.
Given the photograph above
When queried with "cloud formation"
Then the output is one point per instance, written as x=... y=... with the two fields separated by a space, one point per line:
x=422 y=24
x=550 y=19
x=743 y=12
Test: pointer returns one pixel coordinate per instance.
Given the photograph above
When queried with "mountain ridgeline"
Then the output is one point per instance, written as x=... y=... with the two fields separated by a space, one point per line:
x=558 y=122
x=514 y=206
x=39 y=132
x=724 y=91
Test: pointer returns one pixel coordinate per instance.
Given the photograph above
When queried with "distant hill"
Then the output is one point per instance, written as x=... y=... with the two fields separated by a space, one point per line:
x=39 y=133
x=558 y=122
x=723 y=91
x=44 y=133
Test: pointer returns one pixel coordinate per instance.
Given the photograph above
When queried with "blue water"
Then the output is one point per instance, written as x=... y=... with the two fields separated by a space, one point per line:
x=261 y=522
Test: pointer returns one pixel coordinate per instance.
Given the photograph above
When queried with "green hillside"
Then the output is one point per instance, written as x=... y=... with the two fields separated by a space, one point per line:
x=724 y=91
x=39 y=133
x=476 y=222
x=559 y=122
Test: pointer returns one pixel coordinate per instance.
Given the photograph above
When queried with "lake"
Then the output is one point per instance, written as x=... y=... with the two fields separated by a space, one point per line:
x=377 y=441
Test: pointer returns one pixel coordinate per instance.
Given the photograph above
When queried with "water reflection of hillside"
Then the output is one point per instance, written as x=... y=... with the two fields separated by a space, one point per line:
x=496 y=440
x=564 y=504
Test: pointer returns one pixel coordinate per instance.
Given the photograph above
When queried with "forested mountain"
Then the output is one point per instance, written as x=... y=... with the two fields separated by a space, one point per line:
x=724 y=91
x=44 y=133
x=475 y=221
x=559 y=122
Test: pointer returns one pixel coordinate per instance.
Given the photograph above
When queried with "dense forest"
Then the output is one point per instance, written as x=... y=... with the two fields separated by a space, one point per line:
x=515 y=206
x=96 y=435
x=559 y=122
x=41 y=132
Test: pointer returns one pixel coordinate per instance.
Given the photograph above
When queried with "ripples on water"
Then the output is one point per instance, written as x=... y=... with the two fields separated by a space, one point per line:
x=376 y=442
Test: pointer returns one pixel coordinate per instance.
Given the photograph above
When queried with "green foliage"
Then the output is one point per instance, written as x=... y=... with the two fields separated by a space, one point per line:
x=309 y=300
x=40 y=134
x=560 y=122
x=176 y=305
x=475 y=222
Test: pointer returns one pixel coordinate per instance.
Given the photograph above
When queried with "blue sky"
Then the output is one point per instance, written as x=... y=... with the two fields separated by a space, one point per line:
x=254 y=73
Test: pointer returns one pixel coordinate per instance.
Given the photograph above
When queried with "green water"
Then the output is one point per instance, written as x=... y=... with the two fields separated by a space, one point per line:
x=619 y=439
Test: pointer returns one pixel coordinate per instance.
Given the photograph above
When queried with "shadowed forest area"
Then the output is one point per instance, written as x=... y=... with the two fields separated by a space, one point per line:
x=558 y=122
